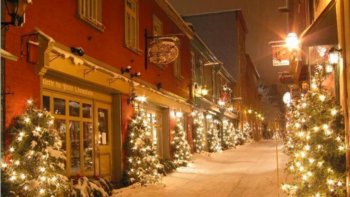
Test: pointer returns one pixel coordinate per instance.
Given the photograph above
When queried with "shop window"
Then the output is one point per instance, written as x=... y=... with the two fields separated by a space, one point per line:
x=88 y=146
x=177 y=68
x=59 y=106
x=157 y=26
x=91 y=12
x=103 y=126
x=46 y=103
x=74 y=120
x=131 y=24
x=74 y=108
x=60 y=126
x=74 y=130
x=87 y=110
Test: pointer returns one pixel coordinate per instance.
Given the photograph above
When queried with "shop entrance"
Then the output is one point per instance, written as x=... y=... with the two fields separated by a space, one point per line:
x=84 y=125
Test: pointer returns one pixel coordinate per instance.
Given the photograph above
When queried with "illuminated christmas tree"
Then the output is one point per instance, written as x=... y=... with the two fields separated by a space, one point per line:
x=142 y=159
x=228 y=135
x=214 y=141
x=182 y=154
x=315 y=144
x=198 y=132
x=35 y=164
x=247 y=131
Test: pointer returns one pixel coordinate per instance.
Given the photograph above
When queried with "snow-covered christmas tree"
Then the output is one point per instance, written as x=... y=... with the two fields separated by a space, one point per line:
x=315 y=144
x=182 y=154
x=214 y=141
x=35 y=162
x=198 y=132
x=142 y=159
x=228 y=134
x=247 y=131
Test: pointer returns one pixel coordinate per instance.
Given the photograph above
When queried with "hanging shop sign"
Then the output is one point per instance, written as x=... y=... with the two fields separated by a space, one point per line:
x=163 y=51
x=280 y=55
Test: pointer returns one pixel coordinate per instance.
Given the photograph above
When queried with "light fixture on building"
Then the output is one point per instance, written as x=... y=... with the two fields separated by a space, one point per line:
x=250 y=111
x=141 y=99
x=204 y=91
x=78 y=51
x=16 y=9
x=292 y=41
x=126 y=70
x=287 y=98
x=221 y=103
x=334 y=56
x=137 y=74
x=179 y=114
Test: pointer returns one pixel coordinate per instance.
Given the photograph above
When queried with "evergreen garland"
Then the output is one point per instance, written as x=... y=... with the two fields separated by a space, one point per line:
x=35 y=164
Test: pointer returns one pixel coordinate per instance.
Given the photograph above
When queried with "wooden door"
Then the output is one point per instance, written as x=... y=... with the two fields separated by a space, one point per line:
x=103 y=140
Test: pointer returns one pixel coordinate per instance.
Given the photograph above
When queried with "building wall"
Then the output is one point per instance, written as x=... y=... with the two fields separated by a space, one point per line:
x=60 y=21
x=218 y=32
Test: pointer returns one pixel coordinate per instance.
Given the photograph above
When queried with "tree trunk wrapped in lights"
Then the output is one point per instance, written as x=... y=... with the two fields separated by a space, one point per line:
x=35 y=164
x=142 y=159
x=214 y=141
x=182 y=154
x=315 y=145
x=198 y=132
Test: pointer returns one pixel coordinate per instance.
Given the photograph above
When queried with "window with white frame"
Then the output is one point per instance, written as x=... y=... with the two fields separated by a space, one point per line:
x=91 y=12
x=131 y=24
x=177 y=68
x=157 y=26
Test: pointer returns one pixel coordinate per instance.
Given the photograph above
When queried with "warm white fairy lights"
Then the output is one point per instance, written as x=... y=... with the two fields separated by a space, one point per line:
x=315 y=143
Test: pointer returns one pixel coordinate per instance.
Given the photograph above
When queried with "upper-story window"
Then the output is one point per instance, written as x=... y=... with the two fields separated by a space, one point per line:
x=177 y=68
x=91 y=12
x=131 y=24
x=157 y=26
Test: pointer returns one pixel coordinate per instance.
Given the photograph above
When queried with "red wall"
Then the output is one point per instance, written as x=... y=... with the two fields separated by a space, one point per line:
x=59 y=20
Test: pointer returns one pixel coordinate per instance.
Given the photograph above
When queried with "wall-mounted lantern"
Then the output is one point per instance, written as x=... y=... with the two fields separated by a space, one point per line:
x=16 y=10
x=292 y=41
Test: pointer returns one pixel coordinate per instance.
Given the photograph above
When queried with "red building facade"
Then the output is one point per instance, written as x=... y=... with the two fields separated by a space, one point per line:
x=88 y=93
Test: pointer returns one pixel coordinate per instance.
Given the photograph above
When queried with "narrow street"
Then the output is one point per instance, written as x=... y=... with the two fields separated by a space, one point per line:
x=247 y=171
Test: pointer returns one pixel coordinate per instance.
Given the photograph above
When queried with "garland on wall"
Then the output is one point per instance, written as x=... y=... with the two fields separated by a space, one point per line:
x=315 y=144
x=142 y=159
x=182 y=153
x=214 y=142
x=198 y=132
x=35 y=163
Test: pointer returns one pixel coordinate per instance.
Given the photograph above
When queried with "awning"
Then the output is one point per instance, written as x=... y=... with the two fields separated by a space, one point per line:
x=323 y=31
x=7 y=55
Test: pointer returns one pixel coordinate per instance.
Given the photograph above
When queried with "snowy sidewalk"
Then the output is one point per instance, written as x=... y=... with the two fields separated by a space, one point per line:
x=247 y=171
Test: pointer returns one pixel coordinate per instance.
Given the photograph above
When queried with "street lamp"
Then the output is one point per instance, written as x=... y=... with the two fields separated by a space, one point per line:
x=16 y=9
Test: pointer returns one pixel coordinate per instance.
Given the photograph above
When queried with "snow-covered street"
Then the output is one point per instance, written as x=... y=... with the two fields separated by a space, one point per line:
x=247 y=171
